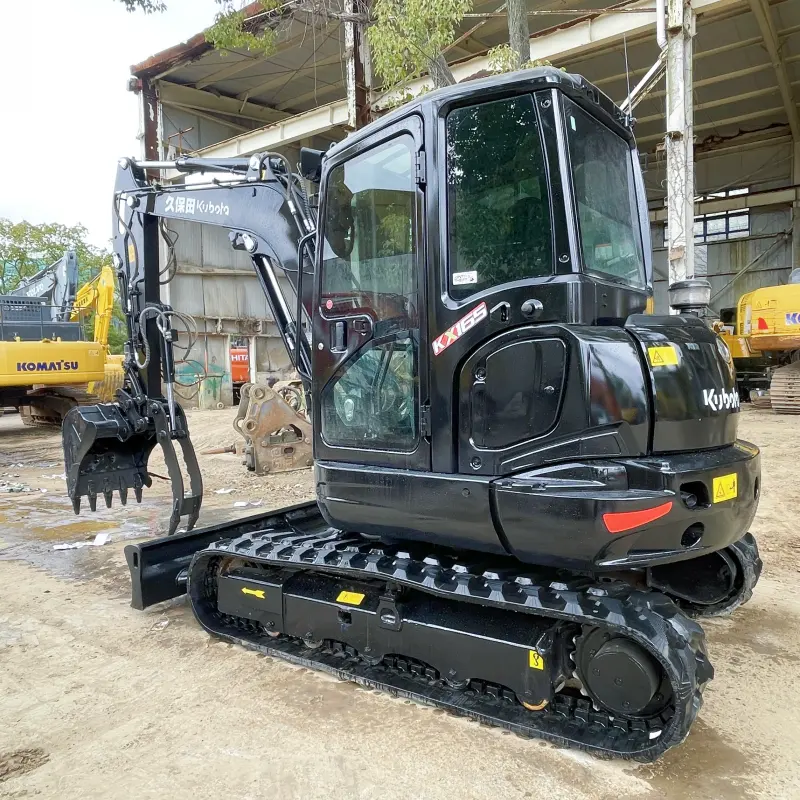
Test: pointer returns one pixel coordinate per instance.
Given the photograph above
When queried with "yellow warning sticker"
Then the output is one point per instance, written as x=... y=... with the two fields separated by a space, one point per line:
x=535 y=661
x=353 y=598
x=725 y=488
x=259 y=593
x=666 y=356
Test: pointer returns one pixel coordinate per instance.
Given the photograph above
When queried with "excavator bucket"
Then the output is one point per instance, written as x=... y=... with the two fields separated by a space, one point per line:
x=107 y=448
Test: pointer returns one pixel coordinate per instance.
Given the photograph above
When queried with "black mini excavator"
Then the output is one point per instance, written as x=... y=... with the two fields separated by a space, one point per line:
x=527 y=488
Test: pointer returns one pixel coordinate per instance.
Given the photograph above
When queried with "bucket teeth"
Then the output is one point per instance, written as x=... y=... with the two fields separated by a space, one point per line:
x=106 y=448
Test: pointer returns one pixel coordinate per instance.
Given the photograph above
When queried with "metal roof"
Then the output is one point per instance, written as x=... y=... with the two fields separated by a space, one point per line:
x=737 y=82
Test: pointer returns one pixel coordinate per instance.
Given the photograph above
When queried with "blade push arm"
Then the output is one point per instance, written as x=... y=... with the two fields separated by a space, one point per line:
x=262 y=203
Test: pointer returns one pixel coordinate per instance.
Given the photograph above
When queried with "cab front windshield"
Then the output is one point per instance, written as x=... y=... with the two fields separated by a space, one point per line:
x=605 y=196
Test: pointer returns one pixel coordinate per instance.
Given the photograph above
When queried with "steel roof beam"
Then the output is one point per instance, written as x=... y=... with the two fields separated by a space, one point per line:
x=761 y=12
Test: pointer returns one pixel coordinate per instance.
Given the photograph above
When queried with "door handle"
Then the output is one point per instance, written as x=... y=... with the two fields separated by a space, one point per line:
x=339 y=337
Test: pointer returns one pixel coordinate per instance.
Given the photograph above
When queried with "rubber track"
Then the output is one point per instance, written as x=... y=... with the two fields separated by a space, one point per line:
x=745 y=551
x=647 y=617
x=784 y=389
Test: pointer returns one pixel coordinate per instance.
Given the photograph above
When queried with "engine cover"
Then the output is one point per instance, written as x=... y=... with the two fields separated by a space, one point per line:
x=692 y=383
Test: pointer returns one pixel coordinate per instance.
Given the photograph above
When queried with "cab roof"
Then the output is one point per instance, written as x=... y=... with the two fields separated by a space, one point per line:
x=576 y=87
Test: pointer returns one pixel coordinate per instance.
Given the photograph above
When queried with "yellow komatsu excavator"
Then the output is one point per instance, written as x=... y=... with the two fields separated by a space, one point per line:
x=763 y=335
x=98 y=295
x=45 y=362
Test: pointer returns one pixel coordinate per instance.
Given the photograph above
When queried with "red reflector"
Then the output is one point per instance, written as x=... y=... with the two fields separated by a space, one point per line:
x=619 y=521
x=762 y=324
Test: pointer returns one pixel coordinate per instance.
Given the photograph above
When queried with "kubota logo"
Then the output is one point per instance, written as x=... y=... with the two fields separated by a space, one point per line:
x=47 y=366
x=717 y=401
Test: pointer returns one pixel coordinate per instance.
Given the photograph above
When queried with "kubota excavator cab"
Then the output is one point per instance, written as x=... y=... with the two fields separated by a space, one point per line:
x=482 y=369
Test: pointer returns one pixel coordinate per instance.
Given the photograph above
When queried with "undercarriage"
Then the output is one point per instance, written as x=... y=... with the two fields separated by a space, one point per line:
x=597 y=662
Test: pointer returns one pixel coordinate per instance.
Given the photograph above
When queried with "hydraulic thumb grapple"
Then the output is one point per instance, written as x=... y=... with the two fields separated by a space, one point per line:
x=526 y=487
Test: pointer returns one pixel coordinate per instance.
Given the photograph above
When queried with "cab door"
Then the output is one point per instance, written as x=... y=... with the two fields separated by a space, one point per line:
x=370 y=370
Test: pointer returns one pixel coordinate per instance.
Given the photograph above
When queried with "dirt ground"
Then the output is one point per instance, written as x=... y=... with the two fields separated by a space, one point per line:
x=100 y=701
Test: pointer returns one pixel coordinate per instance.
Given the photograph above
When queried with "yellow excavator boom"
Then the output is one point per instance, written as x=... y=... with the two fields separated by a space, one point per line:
x=97 y=295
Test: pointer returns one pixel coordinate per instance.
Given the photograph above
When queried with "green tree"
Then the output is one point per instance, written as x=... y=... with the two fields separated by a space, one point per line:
x=519 y=37
x=148 y=6
x=27 y=248
x=408 y=38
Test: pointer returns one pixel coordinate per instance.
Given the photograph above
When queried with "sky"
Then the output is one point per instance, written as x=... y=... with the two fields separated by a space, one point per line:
x=66 y=115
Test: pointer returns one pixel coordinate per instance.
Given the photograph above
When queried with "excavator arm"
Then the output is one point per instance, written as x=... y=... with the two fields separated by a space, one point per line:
x=57 y=283
x=97 y=295
x=263 y=204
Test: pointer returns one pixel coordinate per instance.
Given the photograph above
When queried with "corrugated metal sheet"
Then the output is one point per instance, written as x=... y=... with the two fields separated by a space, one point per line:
x=187 y=131
x=217 y=250
x=250 y=299
x=188 y=247
x=186 y=294
x=725 y=260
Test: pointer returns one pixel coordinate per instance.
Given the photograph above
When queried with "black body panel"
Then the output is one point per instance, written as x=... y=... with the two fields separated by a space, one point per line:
x=587 y=398
x=555 y=516
x=451 y=510
x=504 y=412
x=695 y=400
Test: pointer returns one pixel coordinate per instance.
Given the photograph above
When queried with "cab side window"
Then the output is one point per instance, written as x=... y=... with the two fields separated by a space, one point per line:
x=370 y=267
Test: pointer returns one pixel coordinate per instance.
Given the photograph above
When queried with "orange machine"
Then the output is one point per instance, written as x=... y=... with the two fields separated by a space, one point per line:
x=240 y=367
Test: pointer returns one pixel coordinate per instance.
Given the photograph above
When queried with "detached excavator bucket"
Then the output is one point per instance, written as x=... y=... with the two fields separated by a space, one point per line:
x=107 y=448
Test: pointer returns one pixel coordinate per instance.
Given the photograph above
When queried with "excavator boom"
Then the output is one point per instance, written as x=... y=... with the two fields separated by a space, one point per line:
x=97 y=295
x=107 y=446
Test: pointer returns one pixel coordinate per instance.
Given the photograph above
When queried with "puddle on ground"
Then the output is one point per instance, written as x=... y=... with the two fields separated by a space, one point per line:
x=704 y=767
x=70 y=531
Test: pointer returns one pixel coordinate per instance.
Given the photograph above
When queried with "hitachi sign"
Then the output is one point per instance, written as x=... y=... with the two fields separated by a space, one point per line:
x=47 y=366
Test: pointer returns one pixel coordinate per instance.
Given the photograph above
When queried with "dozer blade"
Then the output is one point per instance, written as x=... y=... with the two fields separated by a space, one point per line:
x=107 y=448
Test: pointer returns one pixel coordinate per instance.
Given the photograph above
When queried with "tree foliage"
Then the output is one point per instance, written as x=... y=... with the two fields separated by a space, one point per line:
x=148 y=6
x=231 y=29
x=27 y=248
x=503 y=59
x=408 y=37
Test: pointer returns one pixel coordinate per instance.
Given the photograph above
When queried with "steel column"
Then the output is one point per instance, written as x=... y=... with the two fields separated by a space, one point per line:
x=679 y=140
x=796 y=207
